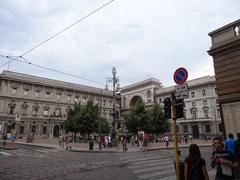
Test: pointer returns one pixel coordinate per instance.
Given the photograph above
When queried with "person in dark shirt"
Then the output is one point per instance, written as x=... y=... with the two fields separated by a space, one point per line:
x=219 y=154
x=195 y=165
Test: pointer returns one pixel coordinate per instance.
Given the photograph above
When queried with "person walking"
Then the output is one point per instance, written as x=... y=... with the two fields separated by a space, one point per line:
x=140 y=141
x=166 y=141
x=124 y=144
x=219 y=156
x=61 y=140
x=195 y=165
x=69 y=140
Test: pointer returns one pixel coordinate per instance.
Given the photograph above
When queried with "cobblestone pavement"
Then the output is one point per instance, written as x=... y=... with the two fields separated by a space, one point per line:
x=58 y=164
x=43 y=163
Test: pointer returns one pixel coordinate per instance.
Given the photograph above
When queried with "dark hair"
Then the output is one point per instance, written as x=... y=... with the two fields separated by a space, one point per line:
x=194 y=153
x=230 y=135
x=238 y=135
x=217 y=138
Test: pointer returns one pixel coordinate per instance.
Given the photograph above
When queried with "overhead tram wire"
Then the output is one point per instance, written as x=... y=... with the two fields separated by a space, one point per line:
x=81 y=19
x=10 y=59
x=54 y=70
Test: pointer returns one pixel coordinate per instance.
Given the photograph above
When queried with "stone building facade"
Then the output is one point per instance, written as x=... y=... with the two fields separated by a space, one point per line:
x=225 y=51
x=30 y=104
x=201 y=111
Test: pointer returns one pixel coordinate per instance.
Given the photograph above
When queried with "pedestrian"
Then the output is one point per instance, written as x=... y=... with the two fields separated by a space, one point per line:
x=220 y=155
x=140 y=141
x=68 y=140
x=60 y=139
x=166 y=141
x=195 y=165
x=145 y=142
x=124 y=144
x=229 y=143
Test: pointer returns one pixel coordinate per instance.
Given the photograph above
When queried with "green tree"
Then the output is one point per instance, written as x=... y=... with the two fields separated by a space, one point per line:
x=84 y=119
x=158 y=123
x=137 y=119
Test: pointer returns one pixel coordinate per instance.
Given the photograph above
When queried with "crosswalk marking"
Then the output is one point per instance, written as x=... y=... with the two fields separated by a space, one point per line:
x=4 y=153
x=44 y=151
x=149 y=165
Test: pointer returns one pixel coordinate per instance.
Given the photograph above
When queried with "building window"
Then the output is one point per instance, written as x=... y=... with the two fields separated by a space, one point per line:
x=21 y=131
x=149 y=94
x=76 y=99
x=47 y=95
x=177 y=128
x=160 y=101
x=194 y=113
x=37 y=93
x=35 y=110
x=68 y=97
x=24 y=108
x=58 y=96
x=204 y=92
x=192 y=94
x=12 y=106
x=207 y=128
x=57 y=112
x=205 y=111
x=26 y=92
x=205 y=102
x=14 y=91
x=45 y=112
x=104 y=102
x=185 y=129
x=193 y=104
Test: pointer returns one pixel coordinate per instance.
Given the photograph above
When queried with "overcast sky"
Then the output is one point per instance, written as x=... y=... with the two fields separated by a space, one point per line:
x=141 y=38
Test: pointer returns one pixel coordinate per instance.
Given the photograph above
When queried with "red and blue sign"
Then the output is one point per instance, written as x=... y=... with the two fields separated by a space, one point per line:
x=180 y=76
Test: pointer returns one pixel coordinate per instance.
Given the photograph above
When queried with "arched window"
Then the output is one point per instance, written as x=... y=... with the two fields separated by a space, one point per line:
x=149 y=94
x=205 y=111
x=194 y=113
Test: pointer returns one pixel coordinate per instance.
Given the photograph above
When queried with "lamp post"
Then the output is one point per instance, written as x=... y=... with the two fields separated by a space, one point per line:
x=115 y=81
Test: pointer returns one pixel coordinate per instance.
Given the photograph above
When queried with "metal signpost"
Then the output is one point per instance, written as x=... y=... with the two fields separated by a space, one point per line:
x=180 y=76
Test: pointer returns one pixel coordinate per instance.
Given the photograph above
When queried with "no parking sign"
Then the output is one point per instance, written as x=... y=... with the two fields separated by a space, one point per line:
x=180 y=76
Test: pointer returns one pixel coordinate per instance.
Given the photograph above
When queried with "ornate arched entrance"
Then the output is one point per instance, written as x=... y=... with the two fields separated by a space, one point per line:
x=134 y=100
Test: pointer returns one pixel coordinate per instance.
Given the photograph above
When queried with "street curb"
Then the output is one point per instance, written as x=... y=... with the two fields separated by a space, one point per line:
x=37 y=145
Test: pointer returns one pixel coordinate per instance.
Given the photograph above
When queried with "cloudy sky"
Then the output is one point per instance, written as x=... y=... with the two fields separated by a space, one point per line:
x=141 y=38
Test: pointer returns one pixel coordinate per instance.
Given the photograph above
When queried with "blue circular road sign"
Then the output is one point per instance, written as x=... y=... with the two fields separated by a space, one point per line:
x=180 y=75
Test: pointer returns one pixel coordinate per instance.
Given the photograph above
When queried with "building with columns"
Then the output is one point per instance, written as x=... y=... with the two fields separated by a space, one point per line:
x=201 y=111
x=30 y=104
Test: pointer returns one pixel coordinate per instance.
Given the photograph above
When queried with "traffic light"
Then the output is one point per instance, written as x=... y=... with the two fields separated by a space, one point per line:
x=168 y=108
x=179 y=108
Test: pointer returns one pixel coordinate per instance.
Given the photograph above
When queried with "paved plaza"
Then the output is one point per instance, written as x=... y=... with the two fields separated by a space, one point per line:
x=47 y=160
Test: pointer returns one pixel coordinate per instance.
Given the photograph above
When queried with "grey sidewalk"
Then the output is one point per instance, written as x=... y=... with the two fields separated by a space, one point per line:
x=84 y=147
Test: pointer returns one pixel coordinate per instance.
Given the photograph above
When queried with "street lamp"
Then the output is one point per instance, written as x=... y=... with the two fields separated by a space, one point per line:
x=115 y=81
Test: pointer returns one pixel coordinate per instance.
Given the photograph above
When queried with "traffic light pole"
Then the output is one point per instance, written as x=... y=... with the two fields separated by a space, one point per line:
x=175 y=138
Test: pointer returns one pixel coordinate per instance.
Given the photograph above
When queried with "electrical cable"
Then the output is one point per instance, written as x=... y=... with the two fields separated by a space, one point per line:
x=50 y=69
x=81 y=19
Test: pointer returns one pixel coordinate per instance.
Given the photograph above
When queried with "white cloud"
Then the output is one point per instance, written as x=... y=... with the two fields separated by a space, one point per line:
x=140 y=38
